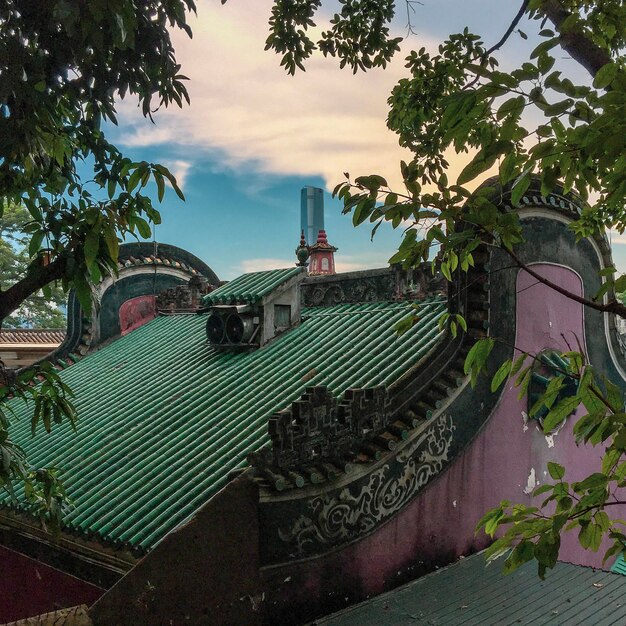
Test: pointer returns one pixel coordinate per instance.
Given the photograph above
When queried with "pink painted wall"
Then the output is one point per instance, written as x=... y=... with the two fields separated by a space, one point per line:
x=29 y=588
x=136 y=312
x=438 y=526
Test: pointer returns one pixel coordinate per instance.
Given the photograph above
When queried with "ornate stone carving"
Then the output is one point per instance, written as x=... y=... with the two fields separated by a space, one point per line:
x=347 y=514
x=183 y=297
x=372 y=286
x=318 y=427
x=348 y=290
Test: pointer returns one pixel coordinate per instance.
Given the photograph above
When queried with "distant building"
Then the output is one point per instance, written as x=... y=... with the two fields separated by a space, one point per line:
x=311 y=212
x=20 y=347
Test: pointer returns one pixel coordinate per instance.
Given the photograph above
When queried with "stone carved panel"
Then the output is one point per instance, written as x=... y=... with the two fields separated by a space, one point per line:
x=373 y=286
x=183 y=297
x=343 y=515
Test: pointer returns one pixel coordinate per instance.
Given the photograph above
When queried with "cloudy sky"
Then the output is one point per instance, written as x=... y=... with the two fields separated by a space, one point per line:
x=254 y=136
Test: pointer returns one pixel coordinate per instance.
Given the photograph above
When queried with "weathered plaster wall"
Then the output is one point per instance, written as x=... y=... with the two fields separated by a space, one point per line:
x=505 y=460
x=136 y=312
x=206 y=572
x=28 y=587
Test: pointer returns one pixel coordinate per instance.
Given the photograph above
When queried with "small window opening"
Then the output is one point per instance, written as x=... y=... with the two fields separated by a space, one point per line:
x=282 y=315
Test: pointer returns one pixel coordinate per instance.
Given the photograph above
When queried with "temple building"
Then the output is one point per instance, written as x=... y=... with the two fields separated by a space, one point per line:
x=270 y=450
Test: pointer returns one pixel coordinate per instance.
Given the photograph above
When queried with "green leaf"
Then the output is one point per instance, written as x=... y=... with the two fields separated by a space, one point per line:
x=590 y=536
x=143 y=227
x=92 y=245
x=517 y=364
x=160 y=182
x=513 y=107
x=522 y=553
x=445 y=270
x=35 y=243
x=112 y=243
x=556 y=471
x=559 y=412
x=507 y=168
x=520 y=187
x=134 y=179
x=605 y=75
x=479 y=164
x=501 y=375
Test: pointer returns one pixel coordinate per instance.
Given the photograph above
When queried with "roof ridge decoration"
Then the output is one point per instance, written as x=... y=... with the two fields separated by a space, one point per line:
x=319 y=436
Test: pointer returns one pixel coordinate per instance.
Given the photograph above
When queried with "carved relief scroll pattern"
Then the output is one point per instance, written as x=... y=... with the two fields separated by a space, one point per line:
x=340 y=517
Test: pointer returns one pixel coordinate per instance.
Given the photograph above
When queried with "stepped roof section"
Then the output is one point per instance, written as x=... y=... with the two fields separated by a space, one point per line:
x=253 y=287
x=165 y=419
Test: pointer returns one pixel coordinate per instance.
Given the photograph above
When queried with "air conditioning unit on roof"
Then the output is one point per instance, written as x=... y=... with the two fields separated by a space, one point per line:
x=231 y=326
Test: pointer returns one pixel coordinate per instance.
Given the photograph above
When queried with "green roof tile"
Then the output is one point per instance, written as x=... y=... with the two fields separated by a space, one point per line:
x=619 y=567
x=164 y=418
x=251 y=287
x=473 y=594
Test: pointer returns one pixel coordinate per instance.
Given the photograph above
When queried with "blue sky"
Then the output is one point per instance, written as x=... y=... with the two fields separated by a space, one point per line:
x=253 y=136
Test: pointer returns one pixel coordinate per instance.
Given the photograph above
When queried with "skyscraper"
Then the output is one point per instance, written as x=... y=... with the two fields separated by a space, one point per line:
x=311 y=212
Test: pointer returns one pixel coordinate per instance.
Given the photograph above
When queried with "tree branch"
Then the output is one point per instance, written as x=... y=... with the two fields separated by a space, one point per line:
x=612 y=306
x=591 y=56
x=509 y=30
x=500 y=43
x=37 y=276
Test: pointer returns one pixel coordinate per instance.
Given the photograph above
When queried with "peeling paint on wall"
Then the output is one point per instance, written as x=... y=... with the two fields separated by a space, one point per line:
x=531 y=483
x=524 y=421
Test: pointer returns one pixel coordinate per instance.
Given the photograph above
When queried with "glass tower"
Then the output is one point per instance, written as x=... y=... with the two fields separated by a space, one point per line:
x=311 y=212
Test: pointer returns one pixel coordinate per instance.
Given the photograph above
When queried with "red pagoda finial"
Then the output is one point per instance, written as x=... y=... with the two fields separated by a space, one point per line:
x=322 y=256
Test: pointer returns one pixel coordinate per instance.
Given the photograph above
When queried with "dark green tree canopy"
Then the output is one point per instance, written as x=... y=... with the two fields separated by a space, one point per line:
x=62 y=64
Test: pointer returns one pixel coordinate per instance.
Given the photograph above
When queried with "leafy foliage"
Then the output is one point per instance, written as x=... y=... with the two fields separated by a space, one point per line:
x=62 y=66
x=358 y=35
x=533 y=532
x=51 y=400
x=41 y=310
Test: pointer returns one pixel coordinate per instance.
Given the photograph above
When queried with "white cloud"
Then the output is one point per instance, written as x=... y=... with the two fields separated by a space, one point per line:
x=180 y=169
x=248 y=113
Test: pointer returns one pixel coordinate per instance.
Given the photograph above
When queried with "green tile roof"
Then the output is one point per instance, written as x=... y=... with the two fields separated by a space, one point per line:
x=164 y=418
x=619 y=566
x=251 y=287
x=472 y=593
